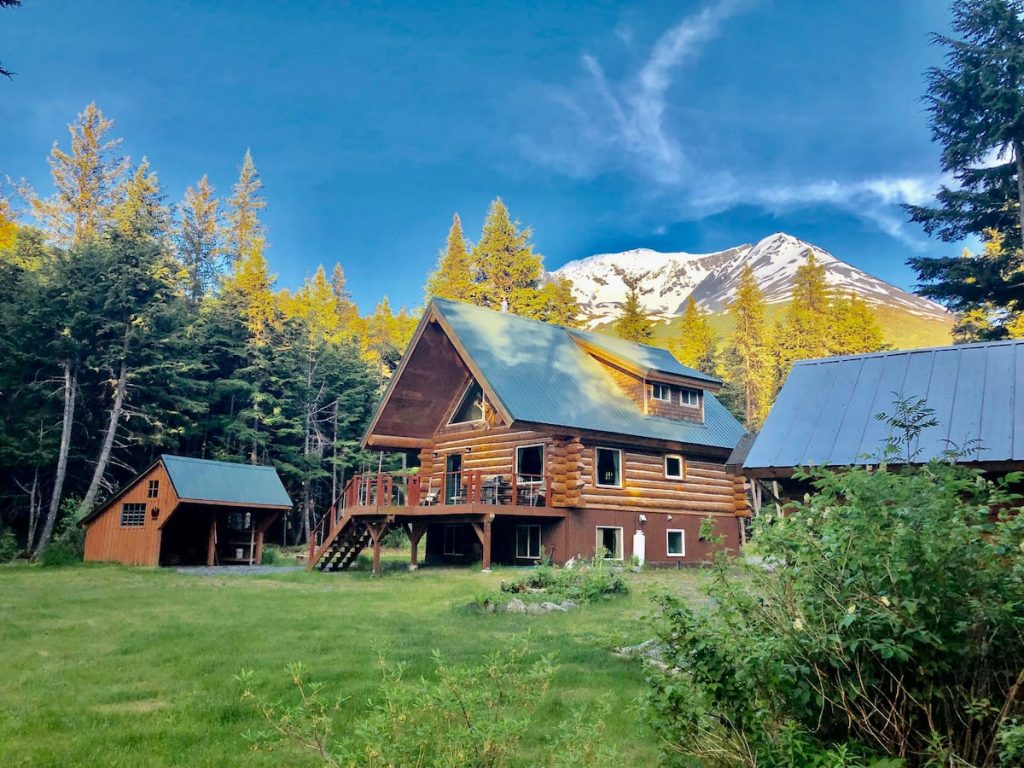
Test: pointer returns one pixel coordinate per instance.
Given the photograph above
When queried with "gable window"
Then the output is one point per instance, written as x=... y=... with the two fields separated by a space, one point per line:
x=689 y=397
x=609 y=542
x=471 y=407
x=608 y=467
x=661 y=392
x=153 y=490
x=133 y=515
x=452 y=540
x=676 y=543
x=675 y=467
x=528 y=542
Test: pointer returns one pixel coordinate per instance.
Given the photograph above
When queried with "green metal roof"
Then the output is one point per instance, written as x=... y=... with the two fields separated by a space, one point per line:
x=227 y=482
x=643 y=356
x=541 y=375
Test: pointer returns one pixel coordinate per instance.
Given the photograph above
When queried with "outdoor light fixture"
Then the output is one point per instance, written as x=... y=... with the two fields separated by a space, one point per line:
x=643 y=518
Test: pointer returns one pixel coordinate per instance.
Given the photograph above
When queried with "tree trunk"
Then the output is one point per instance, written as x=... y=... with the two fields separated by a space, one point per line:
x=116 y=409
x=1018 y=155
x=70 y=392
x=34 y=505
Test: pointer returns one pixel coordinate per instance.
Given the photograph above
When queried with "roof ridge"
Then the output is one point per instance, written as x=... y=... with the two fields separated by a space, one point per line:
x=216 y=461
x=909 y=351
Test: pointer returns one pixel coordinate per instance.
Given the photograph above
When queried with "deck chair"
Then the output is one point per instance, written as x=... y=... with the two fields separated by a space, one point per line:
x=429 y=498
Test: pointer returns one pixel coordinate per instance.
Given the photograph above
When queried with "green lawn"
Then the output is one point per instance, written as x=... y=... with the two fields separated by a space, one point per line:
x=104 y=665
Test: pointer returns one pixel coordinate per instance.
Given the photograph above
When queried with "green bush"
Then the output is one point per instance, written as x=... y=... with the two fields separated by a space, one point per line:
x=8 y=546
x=461 y=716
x=891 y=624
x=272 y=556
x=67 y=546
x=583 y=583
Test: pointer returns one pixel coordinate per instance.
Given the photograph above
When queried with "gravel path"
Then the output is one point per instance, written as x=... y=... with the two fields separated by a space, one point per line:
x=237 y=570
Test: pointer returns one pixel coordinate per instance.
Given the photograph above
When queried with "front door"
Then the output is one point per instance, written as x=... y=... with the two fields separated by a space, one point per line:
x=453 y=479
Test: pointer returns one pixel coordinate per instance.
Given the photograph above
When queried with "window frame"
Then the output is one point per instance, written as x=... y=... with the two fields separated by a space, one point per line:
x=696 y=397
x=456 y=549
x=153 y=489
x=682 y=466
x=540 y=541
x=139 y=508
x=622 y=473
x=682 y=541
x=666 y=387
x=462 y=401
x=599 y=544
x=543 y=457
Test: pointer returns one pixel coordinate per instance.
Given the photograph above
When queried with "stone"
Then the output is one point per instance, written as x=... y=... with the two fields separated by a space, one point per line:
x=515 y=605
x=552 y=607
x=566 y=605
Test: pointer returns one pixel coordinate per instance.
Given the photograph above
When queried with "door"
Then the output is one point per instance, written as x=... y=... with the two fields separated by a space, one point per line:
x=453 y=479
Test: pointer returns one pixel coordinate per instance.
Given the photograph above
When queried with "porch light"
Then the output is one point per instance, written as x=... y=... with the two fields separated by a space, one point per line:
x=643 y=518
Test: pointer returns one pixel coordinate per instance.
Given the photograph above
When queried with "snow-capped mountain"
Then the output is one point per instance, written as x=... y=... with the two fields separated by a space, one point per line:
x=667 y=280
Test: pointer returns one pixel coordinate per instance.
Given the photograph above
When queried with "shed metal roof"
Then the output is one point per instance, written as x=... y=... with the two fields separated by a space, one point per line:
x=541 y=375
x=826 y=411
x=225 y=482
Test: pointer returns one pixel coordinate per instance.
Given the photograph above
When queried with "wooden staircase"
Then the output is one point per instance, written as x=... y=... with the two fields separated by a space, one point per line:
x=342 y=549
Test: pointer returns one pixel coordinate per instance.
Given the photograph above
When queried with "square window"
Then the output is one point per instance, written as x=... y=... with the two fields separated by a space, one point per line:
x=528 y=542
x=675 y=467
x=676 y=543
x=133 y=515
x=661 y=392
x=153 y=490
x=608 y=467
x=609 y=541
x=689 y=398
x=452 y=540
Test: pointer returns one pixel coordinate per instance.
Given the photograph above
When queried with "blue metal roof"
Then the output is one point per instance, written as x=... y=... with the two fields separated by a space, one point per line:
x=223 y=481
x=826 y=411
x=643 y=356
x=541 y=375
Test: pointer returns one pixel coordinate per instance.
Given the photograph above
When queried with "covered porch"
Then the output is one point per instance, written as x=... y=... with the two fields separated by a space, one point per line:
x=215 y=534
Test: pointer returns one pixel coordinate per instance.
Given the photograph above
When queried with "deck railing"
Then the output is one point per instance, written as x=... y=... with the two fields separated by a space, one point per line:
x=382 y=490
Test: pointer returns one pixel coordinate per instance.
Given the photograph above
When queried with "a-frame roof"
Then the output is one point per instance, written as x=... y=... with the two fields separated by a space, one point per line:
x=539 y=373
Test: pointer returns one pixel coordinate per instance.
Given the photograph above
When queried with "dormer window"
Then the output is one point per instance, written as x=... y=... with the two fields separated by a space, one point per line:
x=689 y=398
x=471 y=407
x=661 y=392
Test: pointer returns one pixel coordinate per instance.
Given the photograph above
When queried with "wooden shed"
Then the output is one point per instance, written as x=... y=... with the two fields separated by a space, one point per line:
x=184 y=511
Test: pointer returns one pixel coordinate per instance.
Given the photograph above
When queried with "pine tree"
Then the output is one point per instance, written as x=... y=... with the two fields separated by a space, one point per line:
x=555 y=303
x=508 y=271
x=633 y=324
x=453 y=278
x=348 y=313
x=696 y=343
x=976 y=100
x=803 y=332
x=244 y=226
x=86 y=181
x=198 y=238
x=140 y=213
x=748 y=363
x=853 y=327
x=8 y=223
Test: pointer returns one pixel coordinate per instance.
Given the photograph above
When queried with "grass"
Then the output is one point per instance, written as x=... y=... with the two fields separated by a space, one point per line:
x=105 y=665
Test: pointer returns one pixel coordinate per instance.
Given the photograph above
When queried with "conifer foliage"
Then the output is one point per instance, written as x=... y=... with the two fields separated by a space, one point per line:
x=748 y=363
x=695 y=343
x=633 y=324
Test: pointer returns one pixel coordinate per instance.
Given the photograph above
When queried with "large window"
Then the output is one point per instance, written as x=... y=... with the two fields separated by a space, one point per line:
x=528 y=542
x=452 y=540
x=133 y=515
x=471 y=407
x=609 y=542
x=661 y=392
x=675 y=468
x=608 y=467
x=153 y=490
x=689 y=397
x=676 y=543
x=530 y=461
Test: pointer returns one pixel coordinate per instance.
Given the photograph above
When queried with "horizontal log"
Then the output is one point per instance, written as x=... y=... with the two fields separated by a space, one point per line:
x=657 y=504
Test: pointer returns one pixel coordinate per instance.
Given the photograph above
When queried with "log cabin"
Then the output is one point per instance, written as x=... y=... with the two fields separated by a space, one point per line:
x=184 y=511
x=827 y=414
x=533 y=441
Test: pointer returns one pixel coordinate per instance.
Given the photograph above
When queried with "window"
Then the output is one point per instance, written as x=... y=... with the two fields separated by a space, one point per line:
x=452 y=540
x=133 y=515
x=608 y=470
x=471 y=407
x=528 y=542
x=689 y=397
x=676 y=544
x=675 y=467
x=530 y=461
x=154 y=489
x=661 y=392
x=609 y=539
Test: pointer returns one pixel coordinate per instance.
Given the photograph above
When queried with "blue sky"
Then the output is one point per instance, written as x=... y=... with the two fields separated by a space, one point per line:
x=604 y=126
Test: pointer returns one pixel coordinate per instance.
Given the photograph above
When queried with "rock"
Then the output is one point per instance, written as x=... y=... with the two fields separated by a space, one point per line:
x=552 y=607
x=535 y=609
x=566 y=605
x=515 y=605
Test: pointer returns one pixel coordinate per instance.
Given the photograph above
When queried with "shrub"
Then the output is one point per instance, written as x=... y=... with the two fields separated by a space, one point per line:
x=272 y=556
x=465 y=716
x=584 y=583
x=397 y=537
x=893 y=624
x=8 y=546
x=67 y=546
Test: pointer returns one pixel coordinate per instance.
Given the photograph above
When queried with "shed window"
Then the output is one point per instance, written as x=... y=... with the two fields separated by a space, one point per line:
x=608 y=470
x=452 y=540
x=674 y=467
x=133 y=515
x=676 y=544
x=689 y=397
x=471 y=407
x=661 y=392
x=609 y=542
x=528 y=542
x=153 y=490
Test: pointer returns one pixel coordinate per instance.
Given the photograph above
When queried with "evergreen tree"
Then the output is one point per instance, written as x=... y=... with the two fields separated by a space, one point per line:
x=555 y=303
x=853 y=328
x=198 y=239
x=696 y=343
x=8 y=223
x=508 y=271
x=86 y=181
x=803 y=332
x=244 y=226
x=348 y=313
x=633 y=324
x=453 y=278
x=976 y=101
x=748 y=363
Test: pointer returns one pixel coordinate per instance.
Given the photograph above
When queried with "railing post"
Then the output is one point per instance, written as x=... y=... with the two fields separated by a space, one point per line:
x=515 y=489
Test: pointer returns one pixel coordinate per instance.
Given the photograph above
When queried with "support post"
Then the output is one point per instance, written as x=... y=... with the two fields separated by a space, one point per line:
x=376 y=533
x=415 y=534
x=483 y=533
x=211 y=547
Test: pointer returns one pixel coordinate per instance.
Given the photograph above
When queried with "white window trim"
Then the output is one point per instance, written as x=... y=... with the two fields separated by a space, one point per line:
x=461 y=401
x=620 y=555
x=540 y=542
x=685 y=404
x=682 y=467
x=456 y=542
x=668 y=389
x=622 y=468
x=682 y=535
x=543 y=455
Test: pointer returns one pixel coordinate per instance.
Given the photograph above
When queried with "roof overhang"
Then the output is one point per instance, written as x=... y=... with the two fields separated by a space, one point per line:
x=650 y=374
x=127 y=487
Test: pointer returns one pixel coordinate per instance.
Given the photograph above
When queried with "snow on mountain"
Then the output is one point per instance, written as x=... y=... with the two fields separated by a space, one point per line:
x=667 y=280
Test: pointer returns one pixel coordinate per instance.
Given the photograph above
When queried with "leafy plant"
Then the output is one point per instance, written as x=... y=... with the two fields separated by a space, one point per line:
x=272 y=556
x=584 y=583
x=68 y=545
x=8 y=546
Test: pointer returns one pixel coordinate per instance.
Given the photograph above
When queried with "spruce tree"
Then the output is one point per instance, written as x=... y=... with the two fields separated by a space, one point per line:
x=555 y=303
x=853 y=327
x=507 y=269
x=453 y=278
x=633 y=324
x=748 y=364
x=803 y=332
x=348 y=313
x=198 y=239
x=695 y=343
x=244 y=228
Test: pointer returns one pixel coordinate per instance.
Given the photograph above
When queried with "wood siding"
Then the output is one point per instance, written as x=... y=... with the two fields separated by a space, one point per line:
x=486 y=450
x=635 y=388
x=674 y=409
x=107 y=541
